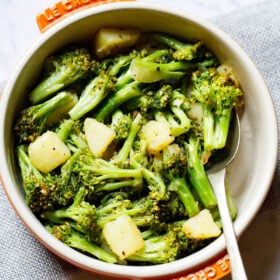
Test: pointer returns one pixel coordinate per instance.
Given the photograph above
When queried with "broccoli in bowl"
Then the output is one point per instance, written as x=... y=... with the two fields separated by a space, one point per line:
x=114 y=144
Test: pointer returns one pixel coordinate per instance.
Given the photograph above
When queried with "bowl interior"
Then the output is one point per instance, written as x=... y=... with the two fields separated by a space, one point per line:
x=249 y=175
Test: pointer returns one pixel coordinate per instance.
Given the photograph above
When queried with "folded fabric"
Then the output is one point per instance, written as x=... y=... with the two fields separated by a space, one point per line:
x=256 y=29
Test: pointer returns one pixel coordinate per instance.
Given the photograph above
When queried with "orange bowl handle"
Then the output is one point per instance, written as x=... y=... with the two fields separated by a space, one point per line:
x=214 y=271
x=63 y=8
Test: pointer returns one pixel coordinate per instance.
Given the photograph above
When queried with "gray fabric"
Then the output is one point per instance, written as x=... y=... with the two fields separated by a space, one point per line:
x=256 y=29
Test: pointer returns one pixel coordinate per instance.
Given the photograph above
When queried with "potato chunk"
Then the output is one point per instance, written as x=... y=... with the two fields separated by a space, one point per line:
x=98 y=135
x=158 y=136
x=110 y=41
x=48 y=152
x=201 y=226
x=123 y=236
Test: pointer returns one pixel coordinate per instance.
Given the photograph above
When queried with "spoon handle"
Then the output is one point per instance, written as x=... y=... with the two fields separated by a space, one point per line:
x=237 y=268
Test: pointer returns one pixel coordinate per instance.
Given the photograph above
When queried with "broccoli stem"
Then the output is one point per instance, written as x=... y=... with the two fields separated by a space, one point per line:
x=154 y=68
x=68 y=67
x=156 y=183
x=121 y=124
x=135 y=183
x=47 y=107
x=120 y=63
x=78 y=241
x=134 y=210
x=33 y=120
x=123 y=153
x=216 y=128
x=126 y=93
x=124 y=79
x=40 y=189
x=74 y=212
x=26 y=167
x=185 y=51
x=158 y=248
x=64 y=130
x=91 y=96
x=105 y=173
x=180 y=186
x=145 y=71
x=67 y=167
x=184 y=121
x=198 y=177
x=143 y=211
x=75 y=239
x=222 y=128
x=177 y=128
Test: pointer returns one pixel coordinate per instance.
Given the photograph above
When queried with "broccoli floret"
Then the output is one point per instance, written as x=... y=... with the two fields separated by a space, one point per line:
x=118 y=63
x=122 y=155
x=172 y=209
x=95 y=91
x=46 y=191
x=145 y=211
x=62 y=70
x=173 y=167
x=183 y=51
x=121 y=124
x=176 y=117
x=75 y=239
x=129 y=91
x=104 y=175
x=160 y=248
x=126 y=76
x=80 y=211
x=37 y=186
x=180 y=186
x=65 y=129
x=68 y=183
x=146 y=70
x=155 y=180
x=174 y=159
x=196 y=170
x=218 y=95
x=32 y=121
x=120 y=68
x=158 y=99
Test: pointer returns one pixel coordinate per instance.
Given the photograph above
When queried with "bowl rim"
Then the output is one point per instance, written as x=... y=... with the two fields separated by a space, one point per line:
x=79 y=259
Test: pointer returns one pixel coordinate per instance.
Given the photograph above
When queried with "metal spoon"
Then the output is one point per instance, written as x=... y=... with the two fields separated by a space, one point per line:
x=216 y=174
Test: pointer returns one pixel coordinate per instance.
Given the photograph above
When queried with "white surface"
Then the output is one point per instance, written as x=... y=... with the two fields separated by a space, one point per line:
x=260 y=244
x=18 y=28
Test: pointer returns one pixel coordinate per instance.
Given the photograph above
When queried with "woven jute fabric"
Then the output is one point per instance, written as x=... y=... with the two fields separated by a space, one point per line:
x=256 y=29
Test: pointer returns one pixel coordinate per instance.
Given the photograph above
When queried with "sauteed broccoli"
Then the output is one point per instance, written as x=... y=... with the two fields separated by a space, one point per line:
x=114 y=145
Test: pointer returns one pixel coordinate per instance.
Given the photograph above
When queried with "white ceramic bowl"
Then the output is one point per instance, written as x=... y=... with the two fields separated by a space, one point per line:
x=250 y=174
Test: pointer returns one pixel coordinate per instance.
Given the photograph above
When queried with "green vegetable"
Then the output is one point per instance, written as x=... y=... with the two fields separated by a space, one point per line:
x=197 y=173
x=76 y=240
x=32 y=121
x=218 y=95
x=95 y=91
x=61 y=70
x=153 y=169
x=183 y=51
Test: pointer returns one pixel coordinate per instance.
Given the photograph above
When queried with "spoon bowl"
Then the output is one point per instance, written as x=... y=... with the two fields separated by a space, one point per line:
x=216 y=174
